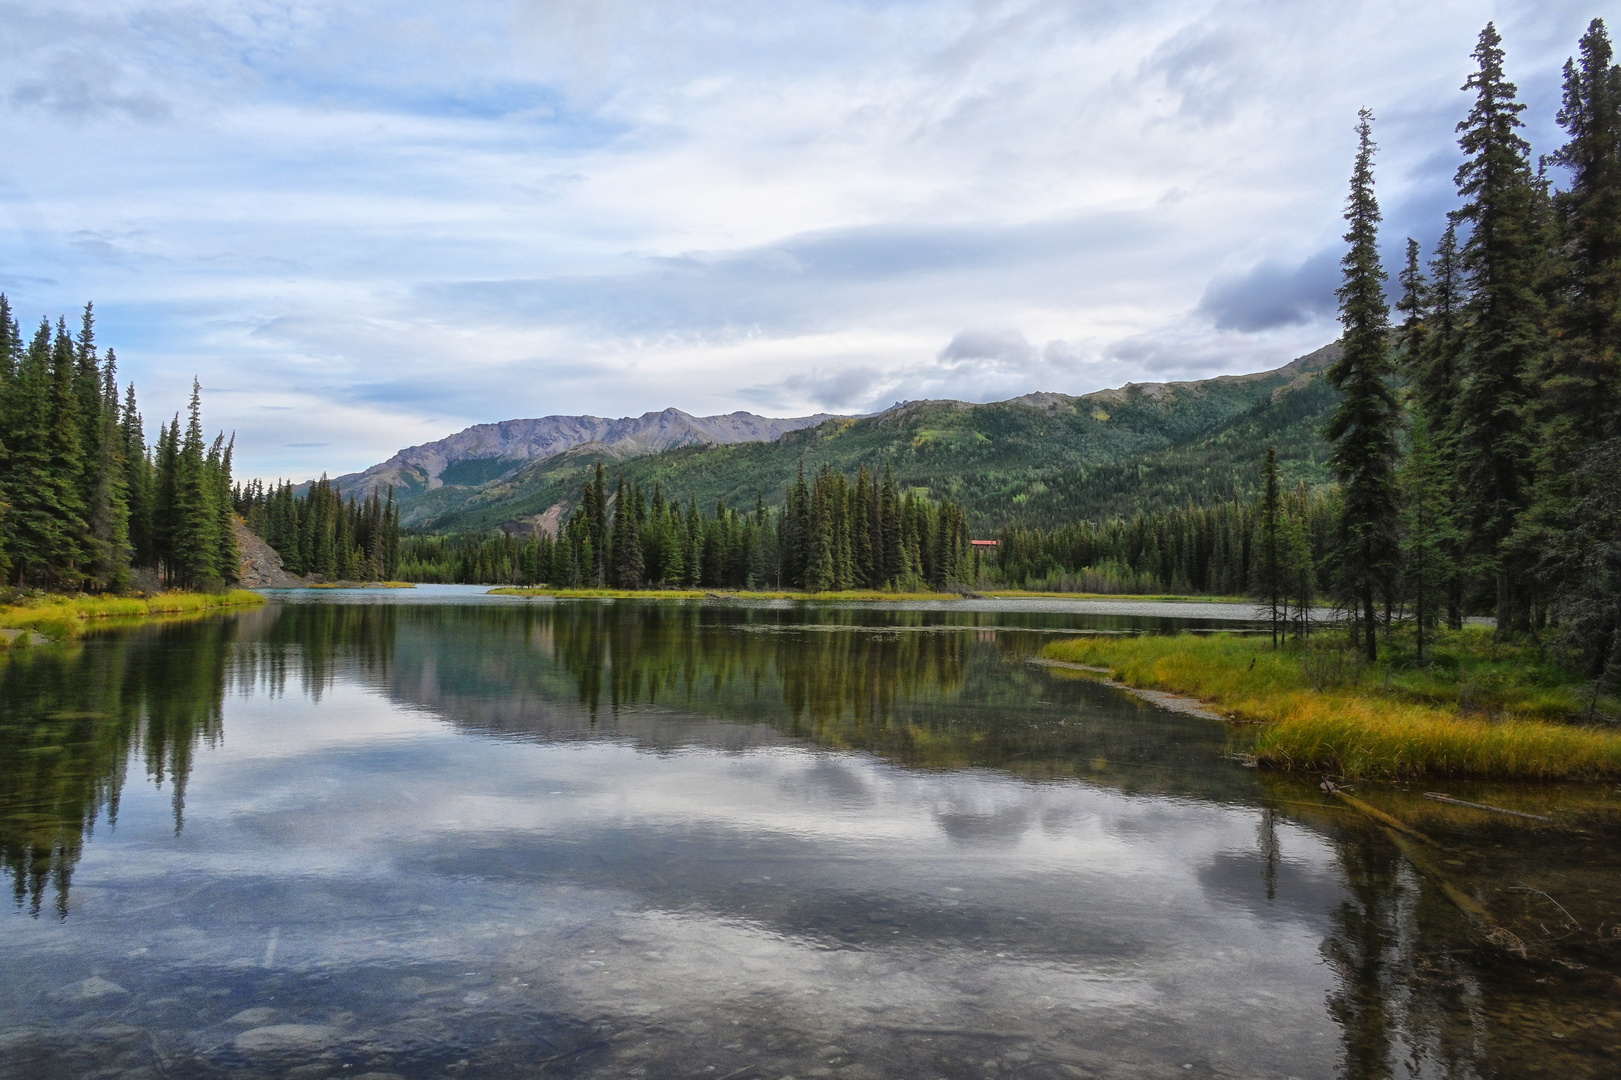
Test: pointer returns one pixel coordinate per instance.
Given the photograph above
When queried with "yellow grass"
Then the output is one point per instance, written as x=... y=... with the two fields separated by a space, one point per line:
x=711 y=594
x=64 y=616
x=1025 y=594
x=360 y=585
x=1356 y=730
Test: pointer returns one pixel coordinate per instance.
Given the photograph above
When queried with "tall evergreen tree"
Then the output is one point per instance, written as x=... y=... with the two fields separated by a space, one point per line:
x=109 y=546
x=1414 y=306
x=47 y=467
x=1268 y=579
x=1583 y=381
x=137 y=481
x=1435 y=363
x=228 y=557
x=1364 y=427
x=1504 y=338
x=627 y=547
x=87 y=386
x=196 y=518
x=1429 y=533
x=889 y=514
x=165 y=488
x=10 y=354
x=597 y=527
x=1580 y=391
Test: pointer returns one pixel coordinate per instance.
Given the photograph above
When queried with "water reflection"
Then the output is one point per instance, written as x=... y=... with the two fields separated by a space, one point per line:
x=72 y=718
x=649 y=840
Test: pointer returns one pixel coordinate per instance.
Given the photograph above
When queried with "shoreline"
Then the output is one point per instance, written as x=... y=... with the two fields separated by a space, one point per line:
x=1181 y=703
x=716 y=594
x=69 y=615
x=1319 y=711
x=863 y=595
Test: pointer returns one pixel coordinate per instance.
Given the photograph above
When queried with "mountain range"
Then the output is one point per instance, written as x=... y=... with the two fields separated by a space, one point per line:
x=1043 y=458
x=485 y=453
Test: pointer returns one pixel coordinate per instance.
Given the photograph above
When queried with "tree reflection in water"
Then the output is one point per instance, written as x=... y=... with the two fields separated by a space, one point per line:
x=72 y=717
x=1418 y=989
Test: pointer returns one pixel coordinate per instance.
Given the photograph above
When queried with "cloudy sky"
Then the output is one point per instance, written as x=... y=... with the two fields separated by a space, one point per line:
x=369 y=224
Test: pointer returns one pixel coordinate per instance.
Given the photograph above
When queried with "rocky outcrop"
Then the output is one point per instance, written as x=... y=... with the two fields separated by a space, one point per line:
x=261 y=564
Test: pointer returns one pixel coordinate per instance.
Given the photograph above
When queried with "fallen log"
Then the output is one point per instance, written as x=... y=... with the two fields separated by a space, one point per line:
x=1438 y=797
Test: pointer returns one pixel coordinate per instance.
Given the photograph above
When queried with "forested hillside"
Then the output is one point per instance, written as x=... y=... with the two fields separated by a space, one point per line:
x=1038 y=460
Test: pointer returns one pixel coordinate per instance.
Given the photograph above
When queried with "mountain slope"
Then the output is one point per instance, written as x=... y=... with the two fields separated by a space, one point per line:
x=486 y=452
x=1042 y=458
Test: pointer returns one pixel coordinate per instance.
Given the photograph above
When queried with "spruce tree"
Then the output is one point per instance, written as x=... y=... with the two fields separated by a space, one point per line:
x=693 y=550
x=1414 y=306
x=10 y=354
x=1364 y=427
x=109 y=546
x=1436 y=361
x=196 y=517
x=862 y=501
x=87 y=385
x=1268 y=577
x=627 y=546
x=1428 y=533
x=597 y=527
x=1583 y=380
x=889 y=513
x=166 y=483
x=137 y=482
x=228 y=556
x=1504 y=335
x=47 y=465
x=1572 y=524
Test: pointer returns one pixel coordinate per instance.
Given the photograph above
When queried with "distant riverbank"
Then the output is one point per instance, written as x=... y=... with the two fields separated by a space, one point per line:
x=1246 y=612
x=1479 y=709
x=57 y=617
x=716 y=594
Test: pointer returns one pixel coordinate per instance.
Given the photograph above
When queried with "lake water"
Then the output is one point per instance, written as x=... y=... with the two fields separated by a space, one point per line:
x=437 y=834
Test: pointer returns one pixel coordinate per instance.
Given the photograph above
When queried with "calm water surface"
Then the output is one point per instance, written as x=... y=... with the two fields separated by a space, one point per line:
x=434 y=834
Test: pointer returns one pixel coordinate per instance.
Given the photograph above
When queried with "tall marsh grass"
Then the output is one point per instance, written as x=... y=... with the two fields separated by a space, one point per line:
x=64 y=616
x=1352 y=720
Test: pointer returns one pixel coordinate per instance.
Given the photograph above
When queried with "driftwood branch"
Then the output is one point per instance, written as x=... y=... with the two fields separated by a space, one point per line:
x=1438 y=797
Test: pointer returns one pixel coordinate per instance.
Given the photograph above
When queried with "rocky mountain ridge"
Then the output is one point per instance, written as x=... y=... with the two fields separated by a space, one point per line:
x=1043 y=458
x=485 y=452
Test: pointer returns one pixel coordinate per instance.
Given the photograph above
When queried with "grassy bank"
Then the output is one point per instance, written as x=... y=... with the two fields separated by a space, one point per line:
x=65 y=616
x=360 y=585
x=712 y=594
x=1128 y=598
x=1478 y=709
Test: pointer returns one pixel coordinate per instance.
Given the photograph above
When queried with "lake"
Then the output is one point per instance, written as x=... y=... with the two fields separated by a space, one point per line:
x=431 y=833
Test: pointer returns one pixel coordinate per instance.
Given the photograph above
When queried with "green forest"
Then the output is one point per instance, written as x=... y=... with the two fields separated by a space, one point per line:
x=321 y=533
x=85 y=504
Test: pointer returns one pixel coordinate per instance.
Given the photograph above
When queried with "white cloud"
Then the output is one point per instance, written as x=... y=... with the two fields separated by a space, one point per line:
x=409 y=215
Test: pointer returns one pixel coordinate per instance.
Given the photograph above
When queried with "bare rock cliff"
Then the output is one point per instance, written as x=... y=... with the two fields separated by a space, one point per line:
x=261 y=565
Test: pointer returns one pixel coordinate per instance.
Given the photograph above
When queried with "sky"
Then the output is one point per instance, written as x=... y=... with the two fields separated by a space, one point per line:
x=368 y=225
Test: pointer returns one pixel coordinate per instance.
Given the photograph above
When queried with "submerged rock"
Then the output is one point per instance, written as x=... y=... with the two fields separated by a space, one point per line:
x=284 y=1037
x=255 y=1017
x=95 y=988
